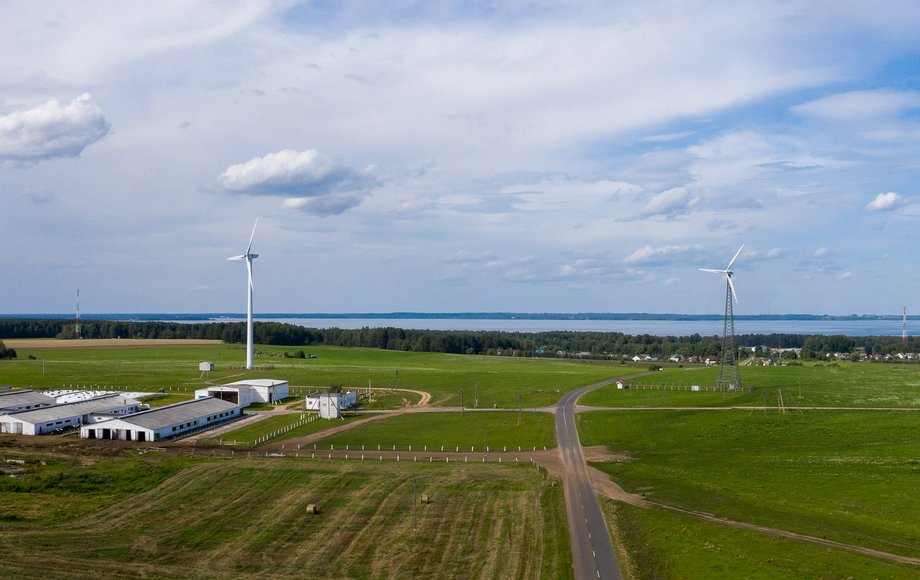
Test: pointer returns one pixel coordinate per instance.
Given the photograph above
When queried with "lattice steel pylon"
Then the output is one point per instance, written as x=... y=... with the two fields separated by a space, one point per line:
x=729 y=375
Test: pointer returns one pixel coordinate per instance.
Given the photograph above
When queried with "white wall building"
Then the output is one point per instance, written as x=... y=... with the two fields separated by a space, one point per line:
x=163 y=423
x=264 y=390
x=331 y=405
x=240 y=395
x=48 y=419
x=23 y=400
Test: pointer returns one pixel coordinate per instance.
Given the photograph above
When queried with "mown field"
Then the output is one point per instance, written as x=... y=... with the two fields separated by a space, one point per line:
x=849 y=476
x=86 y=514
x=503 y=381
x=469 y=430
x=843 y=384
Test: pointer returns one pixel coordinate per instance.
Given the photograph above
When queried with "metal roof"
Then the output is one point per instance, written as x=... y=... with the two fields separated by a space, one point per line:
x=57 y=412
x=178 y=413
x=257 y=383
x=11 y=399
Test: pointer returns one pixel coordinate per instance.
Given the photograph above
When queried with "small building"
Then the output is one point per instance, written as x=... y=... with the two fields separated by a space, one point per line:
x=264 y=390
x=331 y=405
x=58 y=417
x=23 y=400
x=206 y=366
x=241 y=395
x=170 y=422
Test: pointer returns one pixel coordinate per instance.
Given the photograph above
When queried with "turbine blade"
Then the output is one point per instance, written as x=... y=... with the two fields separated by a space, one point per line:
x=237 y=258
x=729 y=267
x=732 y=286
x=714 y=271
x=249 y=247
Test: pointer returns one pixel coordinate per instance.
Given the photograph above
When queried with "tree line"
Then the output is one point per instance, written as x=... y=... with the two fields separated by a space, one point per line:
x=554 y=344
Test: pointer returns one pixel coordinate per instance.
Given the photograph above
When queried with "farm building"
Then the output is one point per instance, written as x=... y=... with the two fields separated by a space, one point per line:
x=170 y=422
x=261 y=391
x=237 y=394
x=23 y=400
x=330 y=405
x=206 y=366
x=49 y=419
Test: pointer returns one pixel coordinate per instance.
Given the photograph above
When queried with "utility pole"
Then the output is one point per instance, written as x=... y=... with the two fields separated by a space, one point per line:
x=461 y=400
x=520 y=409
x=414 y=505
x=476 y=403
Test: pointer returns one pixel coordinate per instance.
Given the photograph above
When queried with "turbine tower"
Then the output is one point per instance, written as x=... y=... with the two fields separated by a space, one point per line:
x=728 y=365
x=248 y=257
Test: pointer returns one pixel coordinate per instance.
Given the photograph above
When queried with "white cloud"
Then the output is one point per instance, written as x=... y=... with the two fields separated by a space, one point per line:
x=674 y=201
x=311 y=182
x=51 y=130
x=885 y=202
x=661 y=255
x=860 y=105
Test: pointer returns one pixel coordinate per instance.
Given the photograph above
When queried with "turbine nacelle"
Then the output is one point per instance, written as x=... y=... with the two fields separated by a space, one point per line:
x=727 y=272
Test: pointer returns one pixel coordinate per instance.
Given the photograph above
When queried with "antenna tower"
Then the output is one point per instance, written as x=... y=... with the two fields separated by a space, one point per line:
x=77 y=330
x=904 y=327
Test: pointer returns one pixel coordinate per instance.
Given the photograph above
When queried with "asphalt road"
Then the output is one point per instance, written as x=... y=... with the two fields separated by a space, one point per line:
x=592 y=550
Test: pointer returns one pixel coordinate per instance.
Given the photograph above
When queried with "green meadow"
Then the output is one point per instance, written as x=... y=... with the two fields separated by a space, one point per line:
x=469 y=430
x=503 y=381
x=849 y=476
x=842 y=384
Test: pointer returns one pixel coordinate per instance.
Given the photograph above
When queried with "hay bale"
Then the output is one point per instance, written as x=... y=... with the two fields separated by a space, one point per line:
x=312 y=509
x=425 y=498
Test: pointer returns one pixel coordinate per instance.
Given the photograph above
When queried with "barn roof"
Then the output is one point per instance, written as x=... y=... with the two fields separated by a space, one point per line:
x=178 y=413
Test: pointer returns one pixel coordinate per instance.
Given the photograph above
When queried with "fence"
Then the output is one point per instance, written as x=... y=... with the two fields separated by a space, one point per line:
x=304 y=420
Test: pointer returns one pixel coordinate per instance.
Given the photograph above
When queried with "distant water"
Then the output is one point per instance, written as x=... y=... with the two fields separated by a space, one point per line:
x=653 y=327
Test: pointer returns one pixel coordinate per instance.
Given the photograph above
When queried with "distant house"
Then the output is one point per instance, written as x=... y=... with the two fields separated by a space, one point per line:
x=641 y=358
x=693 y=359
x=711 y=361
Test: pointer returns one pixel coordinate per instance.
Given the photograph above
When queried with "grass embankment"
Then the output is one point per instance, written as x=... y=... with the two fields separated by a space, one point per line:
x=664 y=544
x=845 y=476
x=841 y=384
x=503 y=381
x=162 y=516
x=469 y=430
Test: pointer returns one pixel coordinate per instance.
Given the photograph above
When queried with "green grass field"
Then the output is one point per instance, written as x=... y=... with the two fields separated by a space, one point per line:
x=467 y=430
x=665 y=544
x=503 y=381
x=82 y=515
x=846 y=384
x=848 y=476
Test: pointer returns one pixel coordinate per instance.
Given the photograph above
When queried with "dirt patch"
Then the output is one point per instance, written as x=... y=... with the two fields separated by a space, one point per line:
x=609 y=488
x=55 y=344
x=600 y=454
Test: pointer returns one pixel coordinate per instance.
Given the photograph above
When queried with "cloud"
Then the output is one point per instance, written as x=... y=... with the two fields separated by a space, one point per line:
x=675 y=201
x=51 y=130
x=860 y=105
x=662 y=255
x=885 y=202
x=311 y=182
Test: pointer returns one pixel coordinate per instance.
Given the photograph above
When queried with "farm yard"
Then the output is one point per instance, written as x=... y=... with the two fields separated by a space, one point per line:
x=725 y=484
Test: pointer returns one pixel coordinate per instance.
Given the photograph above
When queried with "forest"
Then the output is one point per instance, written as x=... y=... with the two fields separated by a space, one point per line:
x=556 y=344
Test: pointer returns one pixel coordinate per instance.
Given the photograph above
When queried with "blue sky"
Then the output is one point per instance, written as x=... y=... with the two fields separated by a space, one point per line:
x=460 y=156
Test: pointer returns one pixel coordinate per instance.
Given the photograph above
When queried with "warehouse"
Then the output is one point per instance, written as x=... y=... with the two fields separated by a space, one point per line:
x=248 y=392
x=170 y=422
x=59 y=417
x=23 y=400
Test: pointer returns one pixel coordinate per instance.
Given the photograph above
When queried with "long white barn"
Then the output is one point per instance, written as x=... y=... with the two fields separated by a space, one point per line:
x=49 y=419
x=24 y=400
x=164 y=423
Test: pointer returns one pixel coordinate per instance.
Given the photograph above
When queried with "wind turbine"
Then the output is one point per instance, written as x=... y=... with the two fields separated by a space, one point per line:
x=732 y=377
x=249 y=257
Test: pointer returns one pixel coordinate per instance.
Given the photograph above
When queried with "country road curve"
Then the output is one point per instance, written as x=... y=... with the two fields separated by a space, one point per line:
x=592 y=550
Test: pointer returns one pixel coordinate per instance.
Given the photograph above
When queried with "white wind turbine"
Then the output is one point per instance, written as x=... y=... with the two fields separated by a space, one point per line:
x=731 y=378
x=249 y=257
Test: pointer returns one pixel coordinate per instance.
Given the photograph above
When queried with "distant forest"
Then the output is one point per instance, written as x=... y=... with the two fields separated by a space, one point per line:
x=555 y=344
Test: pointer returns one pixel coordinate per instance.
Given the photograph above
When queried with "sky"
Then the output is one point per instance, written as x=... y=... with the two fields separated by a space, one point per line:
x=436 y=156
